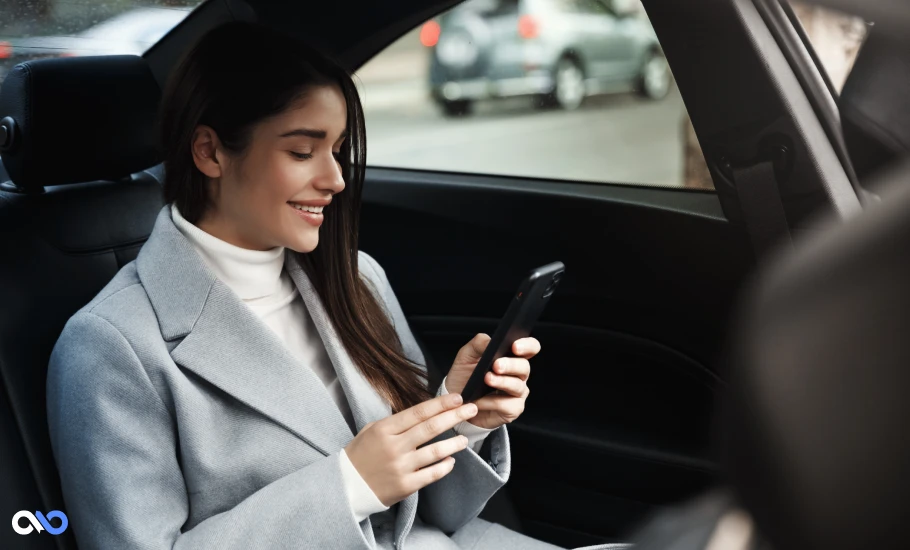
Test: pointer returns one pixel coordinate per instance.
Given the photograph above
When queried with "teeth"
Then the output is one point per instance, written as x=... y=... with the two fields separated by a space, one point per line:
x=313 y=209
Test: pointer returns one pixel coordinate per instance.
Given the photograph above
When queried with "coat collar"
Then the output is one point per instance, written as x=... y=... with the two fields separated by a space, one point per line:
x=225 y=343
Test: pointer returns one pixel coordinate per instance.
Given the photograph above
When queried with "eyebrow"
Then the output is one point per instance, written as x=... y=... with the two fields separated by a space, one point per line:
x=309 y=132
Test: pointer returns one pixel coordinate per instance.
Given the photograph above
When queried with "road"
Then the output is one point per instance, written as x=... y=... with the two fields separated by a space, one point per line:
x=619 y=138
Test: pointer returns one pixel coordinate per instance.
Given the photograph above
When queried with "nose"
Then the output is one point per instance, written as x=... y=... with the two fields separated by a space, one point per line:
x=328 y=175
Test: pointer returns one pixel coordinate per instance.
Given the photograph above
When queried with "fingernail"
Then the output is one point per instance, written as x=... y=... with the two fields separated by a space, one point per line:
x=464 y=440
x=456 y=399
x=472 y=408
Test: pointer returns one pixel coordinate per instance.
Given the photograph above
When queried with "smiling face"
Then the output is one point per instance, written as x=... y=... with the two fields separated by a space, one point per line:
x=273 y=194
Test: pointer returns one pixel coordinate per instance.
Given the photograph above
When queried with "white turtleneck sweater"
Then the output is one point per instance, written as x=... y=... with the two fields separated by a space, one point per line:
x=258 y=277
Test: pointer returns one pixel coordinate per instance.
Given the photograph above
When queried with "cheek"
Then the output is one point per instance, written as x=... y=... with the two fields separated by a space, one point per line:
x=287 y=178
x=269 y=181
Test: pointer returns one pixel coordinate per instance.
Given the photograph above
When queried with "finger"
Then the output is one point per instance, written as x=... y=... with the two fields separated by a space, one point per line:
x=473 y=350
x=425 y=456
x=430 y=428
x=512 y=385
x=424 y=476
x=505 y=405
x=405 y=420
x=526 y=347
x=513 y=366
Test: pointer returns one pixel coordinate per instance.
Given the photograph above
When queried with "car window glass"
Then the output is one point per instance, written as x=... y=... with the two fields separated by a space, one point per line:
x=489 y=8
x=544 y=92
x=594 y=6
x=562 y=6
x=33 y=29
x=835 y=36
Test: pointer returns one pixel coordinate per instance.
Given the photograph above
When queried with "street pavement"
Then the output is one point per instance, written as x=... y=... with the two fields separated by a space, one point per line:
x=618 y=138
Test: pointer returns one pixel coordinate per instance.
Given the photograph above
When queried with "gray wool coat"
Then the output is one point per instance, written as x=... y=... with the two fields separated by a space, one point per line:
x=178 y=419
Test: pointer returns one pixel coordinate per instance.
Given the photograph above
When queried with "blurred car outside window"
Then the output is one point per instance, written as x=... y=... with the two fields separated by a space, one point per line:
x=558 y=89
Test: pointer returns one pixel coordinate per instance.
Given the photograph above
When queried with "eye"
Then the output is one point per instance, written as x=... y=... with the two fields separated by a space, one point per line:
x=301 y=156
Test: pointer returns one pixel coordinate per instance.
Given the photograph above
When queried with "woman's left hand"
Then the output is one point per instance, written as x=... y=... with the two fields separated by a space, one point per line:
x=510 y=376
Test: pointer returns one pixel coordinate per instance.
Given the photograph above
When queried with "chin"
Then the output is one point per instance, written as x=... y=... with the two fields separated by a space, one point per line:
x=305 y=245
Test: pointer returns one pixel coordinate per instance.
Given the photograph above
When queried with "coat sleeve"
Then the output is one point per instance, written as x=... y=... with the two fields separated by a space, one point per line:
x=116 y=448
x=459 y=497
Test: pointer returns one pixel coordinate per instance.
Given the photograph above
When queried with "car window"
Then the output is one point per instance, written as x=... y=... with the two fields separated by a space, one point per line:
x=593 y=6
x=147 y=25
x=835 y=36
x=33 y=29
x=488 y=8
x=537 y=92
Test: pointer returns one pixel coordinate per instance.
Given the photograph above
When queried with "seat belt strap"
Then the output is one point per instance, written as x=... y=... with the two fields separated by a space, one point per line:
x=762 y=207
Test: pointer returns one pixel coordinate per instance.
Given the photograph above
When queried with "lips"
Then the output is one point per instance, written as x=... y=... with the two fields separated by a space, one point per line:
x=306 y=208
x=313 y=218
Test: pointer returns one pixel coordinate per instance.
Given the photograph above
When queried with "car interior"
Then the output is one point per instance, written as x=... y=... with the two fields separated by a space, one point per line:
x=635 y=362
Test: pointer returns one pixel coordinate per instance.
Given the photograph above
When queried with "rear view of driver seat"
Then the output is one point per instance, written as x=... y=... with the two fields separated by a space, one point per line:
x=77 y=138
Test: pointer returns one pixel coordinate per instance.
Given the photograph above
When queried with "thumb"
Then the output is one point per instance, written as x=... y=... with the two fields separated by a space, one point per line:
x=471 y=352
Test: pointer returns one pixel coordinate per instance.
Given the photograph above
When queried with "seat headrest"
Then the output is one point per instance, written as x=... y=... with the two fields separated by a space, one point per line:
x=78 y=119
x=816 y=415
x=875 y=103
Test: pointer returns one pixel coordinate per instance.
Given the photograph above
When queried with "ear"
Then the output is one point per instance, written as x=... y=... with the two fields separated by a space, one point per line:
x=204 y=147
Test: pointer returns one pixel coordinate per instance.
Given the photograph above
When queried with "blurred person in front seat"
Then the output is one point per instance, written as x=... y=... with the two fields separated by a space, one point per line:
x=242 y=385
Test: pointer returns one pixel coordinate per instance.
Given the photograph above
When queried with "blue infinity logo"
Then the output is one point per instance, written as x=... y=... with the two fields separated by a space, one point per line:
x=38 y=522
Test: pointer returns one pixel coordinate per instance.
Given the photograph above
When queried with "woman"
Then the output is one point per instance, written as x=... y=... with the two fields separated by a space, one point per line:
x=210 y=395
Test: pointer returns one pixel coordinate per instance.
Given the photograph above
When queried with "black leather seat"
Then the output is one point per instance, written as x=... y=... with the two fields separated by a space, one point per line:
x=77 y=145
x=818 y=438
x=820 y=450
x=875 y=105
x=817 y=449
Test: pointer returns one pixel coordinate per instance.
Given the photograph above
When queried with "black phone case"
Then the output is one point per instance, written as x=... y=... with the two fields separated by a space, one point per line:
x=524 y=309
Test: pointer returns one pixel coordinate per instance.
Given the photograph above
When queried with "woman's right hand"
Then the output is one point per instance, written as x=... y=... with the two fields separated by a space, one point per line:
x=386 y=455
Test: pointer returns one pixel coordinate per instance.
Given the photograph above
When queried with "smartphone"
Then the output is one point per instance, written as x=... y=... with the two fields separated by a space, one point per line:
x=524 y=309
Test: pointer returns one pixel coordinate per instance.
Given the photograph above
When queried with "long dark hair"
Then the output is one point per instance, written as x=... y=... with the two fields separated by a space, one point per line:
x=237 y=75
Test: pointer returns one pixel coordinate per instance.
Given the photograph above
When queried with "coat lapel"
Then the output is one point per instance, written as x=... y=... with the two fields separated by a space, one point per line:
x=225 y=343
x=366 y=404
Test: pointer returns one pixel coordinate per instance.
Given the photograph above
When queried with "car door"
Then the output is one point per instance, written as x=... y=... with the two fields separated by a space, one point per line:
x=618 y=424
x=622 y=393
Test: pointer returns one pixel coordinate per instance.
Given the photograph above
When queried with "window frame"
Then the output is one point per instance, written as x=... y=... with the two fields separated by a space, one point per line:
x=793 y=41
